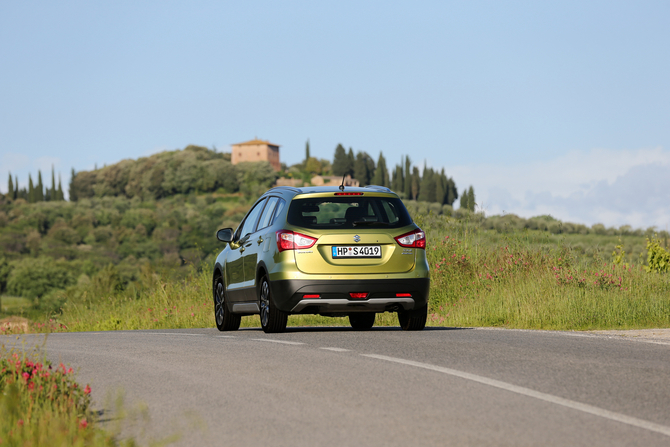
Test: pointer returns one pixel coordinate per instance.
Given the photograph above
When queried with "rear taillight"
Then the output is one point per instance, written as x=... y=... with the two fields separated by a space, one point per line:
x=288 y=240
x=403 y=295
x=413 y=239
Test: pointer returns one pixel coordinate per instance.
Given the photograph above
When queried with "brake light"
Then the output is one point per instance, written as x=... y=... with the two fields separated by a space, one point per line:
x=313 y=295
x=413 y=239
x=403 y=295
x=348 y=193
x=288 y=240
x=358 y=295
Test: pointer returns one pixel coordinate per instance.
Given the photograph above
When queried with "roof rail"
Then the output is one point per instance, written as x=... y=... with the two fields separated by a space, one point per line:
x=378 y=188
x=290 y=188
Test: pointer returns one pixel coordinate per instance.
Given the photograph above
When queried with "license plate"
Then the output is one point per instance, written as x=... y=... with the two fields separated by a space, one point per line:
x=357 y=251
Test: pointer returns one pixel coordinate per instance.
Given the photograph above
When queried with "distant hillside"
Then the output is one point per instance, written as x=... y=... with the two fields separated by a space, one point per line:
x=194 y=169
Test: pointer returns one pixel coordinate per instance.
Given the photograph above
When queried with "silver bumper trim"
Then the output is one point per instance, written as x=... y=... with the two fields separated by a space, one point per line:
x=339 y=305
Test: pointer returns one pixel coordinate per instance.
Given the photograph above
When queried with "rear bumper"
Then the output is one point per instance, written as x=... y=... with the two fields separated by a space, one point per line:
x=334 y=298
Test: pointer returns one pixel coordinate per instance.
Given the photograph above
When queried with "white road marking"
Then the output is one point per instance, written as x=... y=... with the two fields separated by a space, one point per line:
x=658 y=428
x=336 y=349
x=224 y=336
x=279 y=341
x=172 y=333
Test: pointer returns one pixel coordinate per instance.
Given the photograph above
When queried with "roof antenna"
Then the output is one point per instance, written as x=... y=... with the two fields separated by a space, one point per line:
x=342 y=185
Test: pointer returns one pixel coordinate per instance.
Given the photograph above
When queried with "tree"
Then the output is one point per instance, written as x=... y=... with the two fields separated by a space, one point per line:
x=73 y=188
x=10 y=187
x=307 y=156
x=441 y=188
x=364 y=167
x=407 y=186
x=468 y=199
x=472 y=200
x=352 y=160
x=59 y=193
x=51 y=193
x=427 y=189
x=341 y=163
x=313 y=166
x=415 y=181
x=31 y=190
x=39 y=193
x=381 y=174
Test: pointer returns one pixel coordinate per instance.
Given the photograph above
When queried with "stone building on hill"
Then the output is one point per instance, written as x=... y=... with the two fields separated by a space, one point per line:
x=256 y=150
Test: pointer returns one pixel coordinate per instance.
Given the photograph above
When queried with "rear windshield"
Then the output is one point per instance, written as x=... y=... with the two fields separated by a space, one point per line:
x=348 y=212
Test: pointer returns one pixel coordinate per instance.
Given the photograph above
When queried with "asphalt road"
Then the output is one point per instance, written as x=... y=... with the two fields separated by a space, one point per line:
x=335 y=386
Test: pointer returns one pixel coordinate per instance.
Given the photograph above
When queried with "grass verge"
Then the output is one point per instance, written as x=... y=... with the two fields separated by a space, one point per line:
x=518 y=279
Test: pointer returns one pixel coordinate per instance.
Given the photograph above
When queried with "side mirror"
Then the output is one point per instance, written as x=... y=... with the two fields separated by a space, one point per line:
x=225 y=235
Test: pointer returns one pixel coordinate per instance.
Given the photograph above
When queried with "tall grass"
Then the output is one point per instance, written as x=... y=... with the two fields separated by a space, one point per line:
x=521 y=279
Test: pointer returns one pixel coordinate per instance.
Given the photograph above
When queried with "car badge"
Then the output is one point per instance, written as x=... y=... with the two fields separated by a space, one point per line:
x=357 y=238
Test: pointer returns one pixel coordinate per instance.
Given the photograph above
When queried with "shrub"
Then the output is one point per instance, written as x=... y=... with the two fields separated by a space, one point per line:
x=35 y=277
x=658 y=258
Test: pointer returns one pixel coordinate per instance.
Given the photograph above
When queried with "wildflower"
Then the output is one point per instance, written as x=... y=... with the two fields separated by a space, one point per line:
x=20 y=423
x=26 y=376
x=83 y=424
x=87 y=389
x=192 y=314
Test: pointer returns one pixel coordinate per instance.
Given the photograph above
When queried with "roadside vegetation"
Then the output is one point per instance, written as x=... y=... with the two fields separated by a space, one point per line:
x=135 y=250
x=42 y=404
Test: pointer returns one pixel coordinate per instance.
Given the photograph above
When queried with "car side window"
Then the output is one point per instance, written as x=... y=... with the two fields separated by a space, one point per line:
x=267 y=213
x=280 y=207
x=249 y=224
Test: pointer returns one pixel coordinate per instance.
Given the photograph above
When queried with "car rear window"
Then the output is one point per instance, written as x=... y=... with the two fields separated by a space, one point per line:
x=348 y=212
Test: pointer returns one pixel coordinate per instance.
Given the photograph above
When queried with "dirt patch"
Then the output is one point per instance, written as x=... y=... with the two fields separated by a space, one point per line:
x=14 y=325
x=662 y=335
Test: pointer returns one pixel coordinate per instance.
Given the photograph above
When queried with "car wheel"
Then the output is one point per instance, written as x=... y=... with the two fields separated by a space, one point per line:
x=272 y=319
x=225 y=320
x=413 y=320
x=362 y=320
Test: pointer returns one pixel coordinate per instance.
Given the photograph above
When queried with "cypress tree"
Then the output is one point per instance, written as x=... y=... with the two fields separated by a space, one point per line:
x=361 y=169
x=471 y=198
x=73 y=188
x=16 y=187
x=440 y=187
x=10 y=187
x=341 y=164
x=352 y=160
x=31 y=190
x=415 y=182
x=452 y=192
x=407 y=186
x=381 y=176
x=307 y=152
x=39 y=193
x=52 y=192
x=59 y=193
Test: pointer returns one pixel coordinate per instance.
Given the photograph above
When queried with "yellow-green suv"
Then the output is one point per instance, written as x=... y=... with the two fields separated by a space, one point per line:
x=323 y=250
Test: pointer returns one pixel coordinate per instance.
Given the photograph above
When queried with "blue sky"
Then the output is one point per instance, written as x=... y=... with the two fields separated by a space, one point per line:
x=545 y=107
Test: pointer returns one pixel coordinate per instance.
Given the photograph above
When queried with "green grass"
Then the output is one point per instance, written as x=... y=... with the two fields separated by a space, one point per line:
x=518 y=279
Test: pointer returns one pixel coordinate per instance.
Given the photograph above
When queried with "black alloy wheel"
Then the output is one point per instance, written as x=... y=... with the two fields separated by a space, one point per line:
x=225 y=320
x=273 y=320
x=362 y=320
x=413 y=320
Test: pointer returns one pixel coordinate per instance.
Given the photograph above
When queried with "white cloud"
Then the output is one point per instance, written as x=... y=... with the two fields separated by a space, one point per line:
x=615 y=187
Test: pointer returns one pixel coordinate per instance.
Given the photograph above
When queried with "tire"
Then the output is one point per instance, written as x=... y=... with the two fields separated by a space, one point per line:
x=362 y=320
x=225 y=320
x=273 y=320
x=413 y=320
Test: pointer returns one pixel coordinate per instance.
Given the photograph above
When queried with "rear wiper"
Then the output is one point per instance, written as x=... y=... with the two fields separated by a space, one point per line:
x=370 y=222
